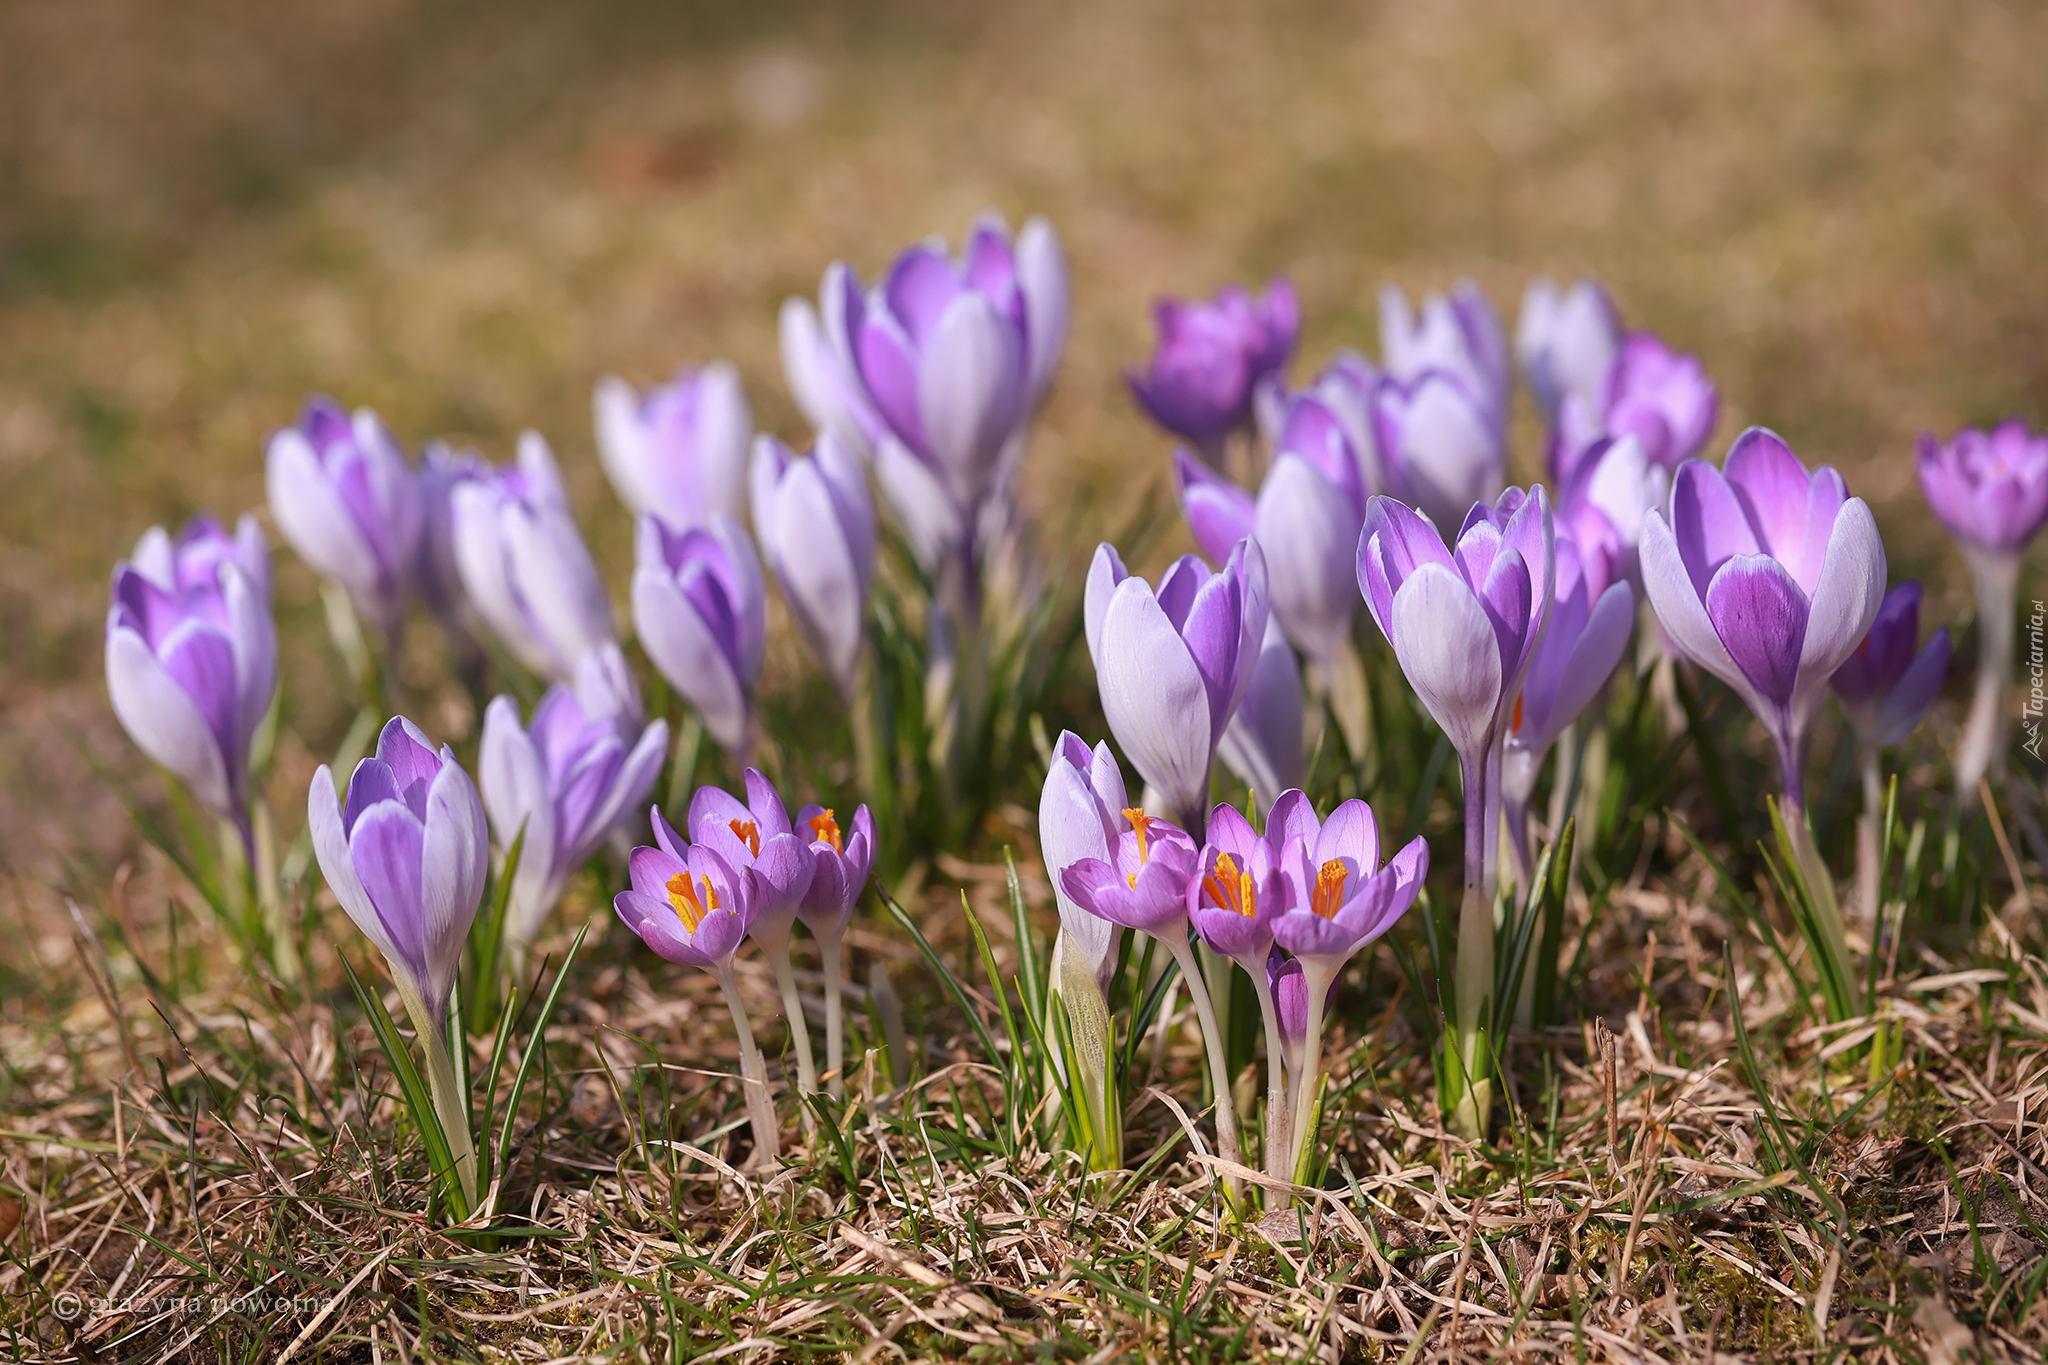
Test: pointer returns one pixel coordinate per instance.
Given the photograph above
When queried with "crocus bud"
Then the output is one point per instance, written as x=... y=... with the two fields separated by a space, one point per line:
x=817 y=362
x=1173 y=664
x=1307 y=518
x=1080 y=814
x=1464 y=626
x=1263 y=742
x=841 y=859
x=1612 y=488
x=579 y=771
x=442 y=469
x=1990 y=489
x=1566 y=341
x=1661 y=396
x=678 y=450
x=1290 y=1002
x=1456 y=335
x=1440 y=449
x=192 y=655
x=1884 y=687
x=1768 y=577
x=346 y=501
x=700 y=611
x=525 y=566
x=406 y=856
x=1211 y=355
x=817 y=532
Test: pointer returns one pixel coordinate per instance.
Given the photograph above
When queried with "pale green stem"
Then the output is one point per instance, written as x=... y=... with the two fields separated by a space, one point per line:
x=753 y=1074
x=1982 y=749
x=774 y=941
x=1316 y=976
x=832 y=948
x=1869 y=834
x=270 y=895
x=1474 y=979
x=1821 y=884
x=1212 y=1038
x=1278 y=1148
x=1350 y=698
x=451 y=1106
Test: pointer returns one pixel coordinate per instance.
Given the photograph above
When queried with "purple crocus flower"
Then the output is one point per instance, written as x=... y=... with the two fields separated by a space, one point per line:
x=693 y=907
x=1660 y=396
x=567 y=780
x=1172 y=665
x=839 y=873
x=192 y=655
x=1209 y=358
x=1768 y=577
x=952 y=356
x=1456 y=335
x=406 y=856
x=1884 y=686
x=1591 y=616
x=1237 y=891
x=443 y=469
x=525 y=566
x=678 y=450
x=346 y=501
x=1991 y=490
x=1144 y=884
x=1080 y=813
x=817 y=363
x=817 y=531
x=1566 y=341
x=1440 y=448
x=1263 y=742
x=700 y=610
x=1611 y=489
x=1289 y=988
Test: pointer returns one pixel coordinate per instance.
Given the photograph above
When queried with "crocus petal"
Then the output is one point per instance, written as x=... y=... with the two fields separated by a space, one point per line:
x=1449 y=653
x=931 y=518
x=1105 y=572
x=1851 y=589
x=456 y=859
x=1308 y=531
x=1760 y=616
x=1155 y=698
x=689 y=655
x=164 y=720
x=1668 y=583
x=1218 y=511
x=1913 y=694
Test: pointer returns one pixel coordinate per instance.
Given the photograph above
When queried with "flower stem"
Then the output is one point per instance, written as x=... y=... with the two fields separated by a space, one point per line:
x=753 y=1074
x=1212 y=1039
x=832 y=947
x=451 y=1106
x=774 y=941
x=1350 y=699
x=1982 y=749
x=1473 y=979
x=1868 y=835
x=1278 y=1097
x=1316 y=975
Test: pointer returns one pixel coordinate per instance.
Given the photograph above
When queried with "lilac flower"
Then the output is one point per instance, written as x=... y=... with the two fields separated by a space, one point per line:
x=1080 y=814
x=1566 y=340
x=1660 y=396
x=1440 y=447
x=567 y=780
x=1263 y=742
x=1173 y=665
x=192 y=655
x=1456 y=335
x=839 y=873
x=700 y=610
x=1991 y=490
x=1237 y=892
x=1884 y=687
x=442 y=470
x=693 y=907
x=952 y=356
x=680 y=449
x=817 y=362
x=1591 y=616
x=1289 y=988
x=1767 y=577
x=345 y=500
x=757 y=836
x=817 y=531
x=525 y=566
x=406 y=856
x=1611 y=489
x=1210 y=356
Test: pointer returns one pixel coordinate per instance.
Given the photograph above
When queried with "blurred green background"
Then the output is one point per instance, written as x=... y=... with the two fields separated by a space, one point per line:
x=463 y=213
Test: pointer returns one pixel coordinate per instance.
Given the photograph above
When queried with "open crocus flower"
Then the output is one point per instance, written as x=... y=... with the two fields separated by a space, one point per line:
x=1885 y=688
x=567 y=780
x=757 y=836
x=1339 y=899
x=1440 y=448
x=1990 y=489
x=525 y=566
x=1263 y=742
x=817 y=531
x=192 y=656
x=1768 y=577
x=1173 y=665
x=678 y=450
x=1143 y=885
x=1209 y=358
x=1590 y=621
x=406 y=856
x=1566 y=341
x=1660 y=396
x=840 y=861
x=1455 y=334
x=693 y=907
x=701 y=612
x=952 y=356
x=346 y=501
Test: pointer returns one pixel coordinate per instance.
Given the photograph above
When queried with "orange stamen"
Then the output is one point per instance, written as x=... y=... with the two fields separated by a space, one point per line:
x=1230 y=888
x=749 y=834
x=1328 y=897
x=1516 y=728
x=682 y=894
x=825 y=830
x=1141 y=825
